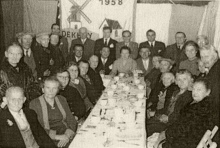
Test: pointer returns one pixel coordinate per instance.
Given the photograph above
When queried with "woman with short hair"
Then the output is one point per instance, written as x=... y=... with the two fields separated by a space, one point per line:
x=54 y=113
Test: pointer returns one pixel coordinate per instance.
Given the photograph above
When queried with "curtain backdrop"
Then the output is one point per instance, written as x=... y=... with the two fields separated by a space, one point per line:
x=39 y=15
x=217 y=29
x=187 y=19
x=208 y=24
x=152 y=16
x=2 y=37
x=12 y=19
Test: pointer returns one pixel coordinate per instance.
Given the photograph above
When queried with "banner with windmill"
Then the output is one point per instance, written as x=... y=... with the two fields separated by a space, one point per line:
x=94 y=15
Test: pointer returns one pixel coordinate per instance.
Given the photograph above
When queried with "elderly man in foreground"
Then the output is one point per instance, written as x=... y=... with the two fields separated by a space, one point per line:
x=20 y=127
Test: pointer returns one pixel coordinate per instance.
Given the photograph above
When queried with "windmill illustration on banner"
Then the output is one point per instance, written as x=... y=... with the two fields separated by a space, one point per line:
x=76 y=12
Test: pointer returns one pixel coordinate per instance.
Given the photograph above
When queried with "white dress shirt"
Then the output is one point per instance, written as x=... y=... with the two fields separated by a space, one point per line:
x=83 y=40
x=27 y=51
x=104 y=60
x=145 y=63
x=107 y=40
x=77 y=58
x=20 y=119
x=150 y=43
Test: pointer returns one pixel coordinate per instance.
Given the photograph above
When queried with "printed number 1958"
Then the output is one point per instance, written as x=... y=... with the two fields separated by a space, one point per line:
x=111 y=2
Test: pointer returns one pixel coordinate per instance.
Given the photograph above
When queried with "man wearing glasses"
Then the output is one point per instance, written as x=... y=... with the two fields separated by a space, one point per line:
x=127 y=42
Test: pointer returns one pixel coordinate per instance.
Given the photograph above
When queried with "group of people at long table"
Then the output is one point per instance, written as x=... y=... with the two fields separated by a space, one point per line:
x=47 y=88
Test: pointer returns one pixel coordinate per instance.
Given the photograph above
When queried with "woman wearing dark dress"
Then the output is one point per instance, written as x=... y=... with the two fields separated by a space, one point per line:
x=179 y=100
x=78 y=83
x=194 y=120
x=15 y=72
x=160 y=95
x=73 y=97
x=54 y=113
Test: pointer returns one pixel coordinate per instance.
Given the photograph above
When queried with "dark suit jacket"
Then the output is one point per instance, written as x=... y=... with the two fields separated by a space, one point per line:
x=97 y=79
x=214 y=78
x=88 y=47
x=105 y=67
x=71 y=57
x=42 y=59
x=157 y=50
x=111 y=44
x=140 y=66
x=132 y=45
x=64 y=46
x=92 y=93
x=10 y=136
x=183 y=100
x=173 y=53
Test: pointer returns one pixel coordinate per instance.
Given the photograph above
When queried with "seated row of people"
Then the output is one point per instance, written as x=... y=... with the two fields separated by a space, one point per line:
x=193 y=121
x=171 y=102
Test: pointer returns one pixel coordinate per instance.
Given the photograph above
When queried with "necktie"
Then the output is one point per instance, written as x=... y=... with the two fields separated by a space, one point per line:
x=106 y=43
x=26 y=53
x=152 y=46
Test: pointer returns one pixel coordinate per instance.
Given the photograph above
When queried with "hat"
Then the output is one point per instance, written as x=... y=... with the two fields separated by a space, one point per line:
x=167 y=59
x=21 y=34
x=42 y=34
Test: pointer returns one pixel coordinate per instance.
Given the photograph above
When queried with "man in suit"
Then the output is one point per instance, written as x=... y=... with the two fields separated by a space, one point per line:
x=106 y=41
x=77 y=54
x=127 y=42
x=175 y=51
x=63 y=42
x=157 y=48
x=144 y=63
x=25 y=40
x=86 y=42
x=94 y=74
x=105 y=63
x=19 y=127
x=92 y=92
x=42 y=55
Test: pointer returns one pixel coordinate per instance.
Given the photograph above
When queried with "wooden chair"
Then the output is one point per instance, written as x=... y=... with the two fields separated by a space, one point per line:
x=206 y=141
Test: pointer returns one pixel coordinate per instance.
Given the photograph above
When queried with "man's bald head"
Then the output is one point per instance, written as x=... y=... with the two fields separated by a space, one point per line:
x=93 y=61
x=14 y=98
x=83 y=32
x=13 y=89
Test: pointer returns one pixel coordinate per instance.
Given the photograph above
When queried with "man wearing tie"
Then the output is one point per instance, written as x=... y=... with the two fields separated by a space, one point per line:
x=19 y=127
x=25 y=40
x=157 y=48
x=105 y=63
x=127 y=42
x=86 y=42
x=77 y=54
x=106 y=41
x=144 y=63
x=175 y=51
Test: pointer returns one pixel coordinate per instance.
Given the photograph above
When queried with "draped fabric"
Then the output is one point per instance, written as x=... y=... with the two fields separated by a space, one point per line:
x=39 y=15
x=2 y=34
x=208 y=23
x=12 y=11
x=186 y=19
x=152 y=16
x=217 y=29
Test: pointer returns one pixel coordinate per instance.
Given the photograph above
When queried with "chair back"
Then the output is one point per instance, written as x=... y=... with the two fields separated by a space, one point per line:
x=206 y=141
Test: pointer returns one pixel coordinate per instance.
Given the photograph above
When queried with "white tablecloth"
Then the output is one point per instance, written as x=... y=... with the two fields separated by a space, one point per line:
x=118 y=124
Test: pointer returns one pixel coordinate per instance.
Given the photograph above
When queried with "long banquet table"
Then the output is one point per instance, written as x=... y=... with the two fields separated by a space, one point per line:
x=118 y=118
